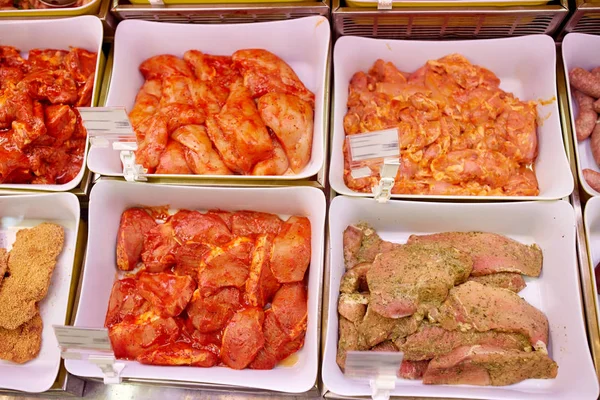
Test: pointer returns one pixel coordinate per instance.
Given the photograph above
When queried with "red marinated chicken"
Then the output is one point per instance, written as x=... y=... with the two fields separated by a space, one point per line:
x=220 y=115
x=42 y=138
x=215 y=288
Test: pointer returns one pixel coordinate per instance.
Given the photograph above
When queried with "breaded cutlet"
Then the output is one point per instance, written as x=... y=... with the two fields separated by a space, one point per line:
x=3 y=263
x=31 y=262
x=22 y=344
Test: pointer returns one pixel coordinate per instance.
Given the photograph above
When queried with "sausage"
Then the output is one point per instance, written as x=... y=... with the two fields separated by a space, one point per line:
x=596 y=106
x=586 y=119
x=595 y=143
x=592 y=178
x=585 y=81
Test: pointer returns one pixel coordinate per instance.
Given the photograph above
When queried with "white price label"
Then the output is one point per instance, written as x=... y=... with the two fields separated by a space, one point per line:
x=70 y=337
x=373 y=364
x=100 y=121
x=378 y=144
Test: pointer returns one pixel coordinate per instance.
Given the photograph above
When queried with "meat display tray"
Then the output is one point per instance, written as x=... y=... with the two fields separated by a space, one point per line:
x=556 y=292
x=529 y=75
x=109 y=199
x=309 y=57
x=85 y=32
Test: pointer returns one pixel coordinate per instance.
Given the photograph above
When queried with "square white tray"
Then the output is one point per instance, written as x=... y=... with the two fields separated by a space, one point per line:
x=302 y=43
x=25 y=211
x=109 y=199
x=84 y=32
x=525 y=65
x=581 y=50
x=591 y=220
x=556 y=292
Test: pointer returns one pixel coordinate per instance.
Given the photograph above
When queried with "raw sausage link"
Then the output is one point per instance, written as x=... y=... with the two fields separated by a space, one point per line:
x=585 y=81
x=595 y=143
x=592 y=178
x=586 y=119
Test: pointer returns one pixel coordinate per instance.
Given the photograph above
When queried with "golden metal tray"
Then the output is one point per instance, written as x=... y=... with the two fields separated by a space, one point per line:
x=585 y=18
x=439 y=22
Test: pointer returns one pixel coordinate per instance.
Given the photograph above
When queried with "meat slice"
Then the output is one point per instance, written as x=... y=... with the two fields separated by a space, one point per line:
x=348 y=341
x=374 y=328
x=168 y=293
x=131 y=339
x=362 y=244
x=264 y=73
x=135 y=224
x=291 y=309
x=277 y=344
x=199 y=153
x=261 y=285
x=225 y=267
x=413 y=369
x=292 y=250
x=506 y=280
x=415 y=276
x=491 y=252
x=172 y=160
x=355 y=279
x=483 y=308
x=432 y=341
x=252 y=223
x=159 y=244
x=488 y=365
x=164 y=66
x=192 y=226
x=188 y=259
x=212 y=313
x=353 y=306
x=179 y=353
x=243 y=338
x=125 y=302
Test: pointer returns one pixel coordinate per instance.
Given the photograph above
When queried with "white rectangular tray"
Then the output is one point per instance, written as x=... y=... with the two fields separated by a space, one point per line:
x=591 y=220
x=109 y=199
x=556 y=292
x=84 y=32
x=302 y=43
x=25 y=211
x=581 y=50
x=525 y=65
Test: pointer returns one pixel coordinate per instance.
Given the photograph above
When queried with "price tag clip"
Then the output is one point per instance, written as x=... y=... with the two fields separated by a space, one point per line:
x=383 y=190
x=92 y=345
x=379 y=369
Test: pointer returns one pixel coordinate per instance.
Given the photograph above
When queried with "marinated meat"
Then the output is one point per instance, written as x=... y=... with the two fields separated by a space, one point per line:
x=488 y=365
x=278 y=344
x=355 y=280
x=491 y=252
x=290 y=308
x=261 y=285
x=415 y=277
x=484 y=308
x=203 y=285
x=431 y=341
x=135 y=224
x=291 y=250
x=277 y=164
x=348 y=341
x=506 y=280
x=212 y=313
x=413 y=369
x=179 y=353
x=264 y=73
x=353 y=306
x=199 y=153
x=164 y=66
x=243 y=338
x=459 y=133
x=130 y=339
x=168 y=293
x=374 y=328
x=252 y=223
x=291 y=119
x=362 y=244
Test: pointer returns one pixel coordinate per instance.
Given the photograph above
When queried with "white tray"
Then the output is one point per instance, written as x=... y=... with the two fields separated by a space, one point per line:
x=24 y=211
x=581 y=50
x=556 y=292
x=84 y=32
x=302 y=43
x=591 y=220
x=525 y=65
x=109 y=199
